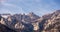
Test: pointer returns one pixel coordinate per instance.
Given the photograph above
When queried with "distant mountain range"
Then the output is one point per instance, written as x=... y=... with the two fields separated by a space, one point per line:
x=31 y=22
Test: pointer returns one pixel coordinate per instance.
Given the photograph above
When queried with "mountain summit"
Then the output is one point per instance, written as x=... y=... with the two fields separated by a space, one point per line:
x=32 y=22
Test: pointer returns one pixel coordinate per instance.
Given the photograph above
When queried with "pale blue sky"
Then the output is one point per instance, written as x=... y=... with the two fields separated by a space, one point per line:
x=39 y=7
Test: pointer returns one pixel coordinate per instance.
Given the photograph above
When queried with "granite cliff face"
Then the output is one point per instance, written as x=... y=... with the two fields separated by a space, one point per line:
x=50 y=22
x=53 y=23
x=19 y=22
x=32 y=22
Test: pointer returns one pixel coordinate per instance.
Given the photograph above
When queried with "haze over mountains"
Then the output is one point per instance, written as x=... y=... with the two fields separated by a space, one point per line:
x=31 y=22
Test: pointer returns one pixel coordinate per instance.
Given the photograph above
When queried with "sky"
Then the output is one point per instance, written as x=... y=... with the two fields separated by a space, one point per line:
x=39 y=7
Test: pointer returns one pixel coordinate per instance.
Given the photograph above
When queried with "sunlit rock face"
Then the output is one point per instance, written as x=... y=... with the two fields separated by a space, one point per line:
x=32 y=22
x=19 y=26
x=36 y=26
x=48 y=23
x=2 y=20
x=53 y=24
x=20 y=21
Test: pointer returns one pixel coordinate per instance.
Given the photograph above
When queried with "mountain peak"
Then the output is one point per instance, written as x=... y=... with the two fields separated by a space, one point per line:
x=57 y=11
x=31 y=13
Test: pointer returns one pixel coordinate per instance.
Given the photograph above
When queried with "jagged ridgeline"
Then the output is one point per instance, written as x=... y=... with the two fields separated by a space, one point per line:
x=30 y=22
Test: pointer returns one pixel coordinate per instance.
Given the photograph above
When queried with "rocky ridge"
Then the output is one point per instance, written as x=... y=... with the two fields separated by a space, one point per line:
x=32 y=22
